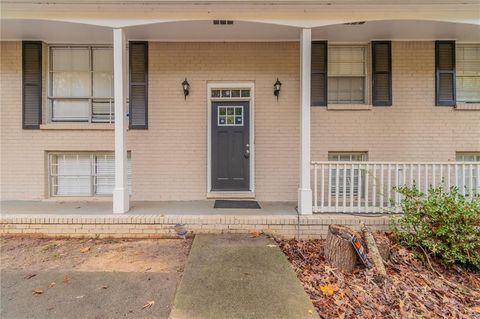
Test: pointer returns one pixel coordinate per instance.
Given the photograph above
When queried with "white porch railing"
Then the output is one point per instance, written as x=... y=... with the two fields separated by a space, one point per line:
x=368 y=187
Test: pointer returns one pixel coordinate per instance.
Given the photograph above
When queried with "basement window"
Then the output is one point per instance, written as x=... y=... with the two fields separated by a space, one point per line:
x=347 y=172
x=468 y=174
x=83 y=174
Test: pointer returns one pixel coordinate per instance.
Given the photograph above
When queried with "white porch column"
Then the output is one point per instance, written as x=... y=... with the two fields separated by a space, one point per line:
x=305 y=191
x=120 y=193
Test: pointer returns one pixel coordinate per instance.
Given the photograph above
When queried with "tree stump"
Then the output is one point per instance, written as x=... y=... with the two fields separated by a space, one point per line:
x=339 y=251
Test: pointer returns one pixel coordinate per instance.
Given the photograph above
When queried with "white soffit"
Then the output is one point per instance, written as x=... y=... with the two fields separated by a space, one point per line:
x=54 y=31
x=207 y=31
x=398 y=30
x=65 y=32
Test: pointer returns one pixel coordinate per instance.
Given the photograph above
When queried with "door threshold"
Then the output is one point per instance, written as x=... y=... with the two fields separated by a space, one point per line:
x=231 y=195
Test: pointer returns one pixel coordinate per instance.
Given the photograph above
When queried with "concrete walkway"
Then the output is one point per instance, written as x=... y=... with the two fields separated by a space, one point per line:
x=237 y=276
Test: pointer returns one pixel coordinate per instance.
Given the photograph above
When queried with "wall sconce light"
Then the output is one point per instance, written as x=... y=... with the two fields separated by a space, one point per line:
x=186 y=88
x=276 y=88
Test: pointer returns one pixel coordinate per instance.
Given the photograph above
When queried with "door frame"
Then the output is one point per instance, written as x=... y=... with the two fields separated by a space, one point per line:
x=251 y=100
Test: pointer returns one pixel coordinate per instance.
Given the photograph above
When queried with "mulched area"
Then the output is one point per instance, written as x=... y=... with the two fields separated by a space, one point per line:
x=413 y=289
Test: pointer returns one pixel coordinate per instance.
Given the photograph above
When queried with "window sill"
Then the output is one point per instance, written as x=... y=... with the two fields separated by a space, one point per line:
x=78 y=126
x=467 y=107
x=349 y=107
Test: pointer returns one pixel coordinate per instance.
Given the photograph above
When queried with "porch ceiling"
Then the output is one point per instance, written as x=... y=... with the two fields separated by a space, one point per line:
x=66 y=32
x=298 y=13
x=398 y=30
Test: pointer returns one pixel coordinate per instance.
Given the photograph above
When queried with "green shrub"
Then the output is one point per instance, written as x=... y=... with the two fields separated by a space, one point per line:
x=441 y=223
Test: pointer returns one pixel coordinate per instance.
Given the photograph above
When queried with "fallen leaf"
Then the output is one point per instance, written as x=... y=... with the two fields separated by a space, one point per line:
x=327 y=289
x=37 y=291
x=413 y=289
x=29 y=276
x=148 y=304
x=149 y=268
x=66 y=280
x=104 y=287
x=85 y=250
x=52 y=284
x=255 y=234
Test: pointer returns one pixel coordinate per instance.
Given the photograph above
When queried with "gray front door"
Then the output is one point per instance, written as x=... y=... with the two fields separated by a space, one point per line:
x=230 y=146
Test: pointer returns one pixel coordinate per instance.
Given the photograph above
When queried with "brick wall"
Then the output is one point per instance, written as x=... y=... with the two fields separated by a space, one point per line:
x=412 y=129
x=169 y=159
x=159 y=226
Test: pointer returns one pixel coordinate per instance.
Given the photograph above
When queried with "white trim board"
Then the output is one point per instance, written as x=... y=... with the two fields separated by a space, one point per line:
x=231 y=85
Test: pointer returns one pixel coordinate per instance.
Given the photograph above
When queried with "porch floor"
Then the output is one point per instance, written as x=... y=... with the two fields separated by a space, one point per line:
x=86 y=208
x=146 y=219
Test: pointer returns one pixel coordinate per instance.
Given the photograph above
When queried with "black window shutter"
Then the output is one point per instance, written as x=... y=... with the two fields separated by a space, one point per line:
x=31 y=84
x=381 y=73
x=319 y=81
x=445 y=73
x=138 y=99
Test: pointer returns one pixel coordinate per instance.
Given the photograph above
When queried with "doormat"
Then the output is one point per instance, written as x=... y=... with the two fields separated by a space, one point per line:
x=236 y=204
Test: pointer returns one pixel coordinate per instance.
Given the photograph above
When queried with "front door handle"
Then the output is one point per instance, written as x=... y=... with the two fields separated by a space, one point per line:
x=247 y=151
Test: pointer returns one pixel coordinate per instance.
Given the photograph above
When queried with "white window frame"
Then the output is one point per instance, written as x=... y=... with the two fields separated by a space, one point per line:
x=234 y=107
x=50 y=98
x=464 y=45
x=366 y=96
x=92 y=175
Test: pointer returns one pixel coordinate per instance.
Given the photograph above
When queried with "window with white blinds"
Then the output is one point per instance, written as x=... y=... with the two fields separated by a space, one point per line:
x=346 y=74
x=468 y=73
x=81 y=84
x=83 y=174
x=470 y=172
x=347 y=173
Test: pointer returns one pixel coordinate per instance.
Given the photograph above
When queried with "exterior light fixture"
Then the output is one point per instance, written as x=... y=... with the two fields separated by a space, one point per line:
x=276 y=88
x=186 y=88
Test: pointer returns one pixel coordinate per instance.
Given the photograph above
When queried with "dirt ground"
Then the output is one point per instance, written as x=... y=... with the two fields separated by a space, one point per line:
x=89 y=279
x=162 y=255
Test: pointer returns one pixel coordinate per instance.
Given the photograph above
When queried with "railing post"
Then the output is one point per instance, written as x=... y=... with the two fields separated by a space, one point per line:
x=304 y=190
x=315 y=187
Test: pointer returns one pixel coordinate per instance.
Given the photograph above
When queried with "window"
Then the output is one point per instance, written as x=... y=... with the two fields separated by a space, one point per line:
x=230 y=116
x=347 y=173
x=346 y=74
x=81 y=84
x=468 y=73
x=347 y=157
x=230 y=93
x=83 y=174
x=467 y=175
